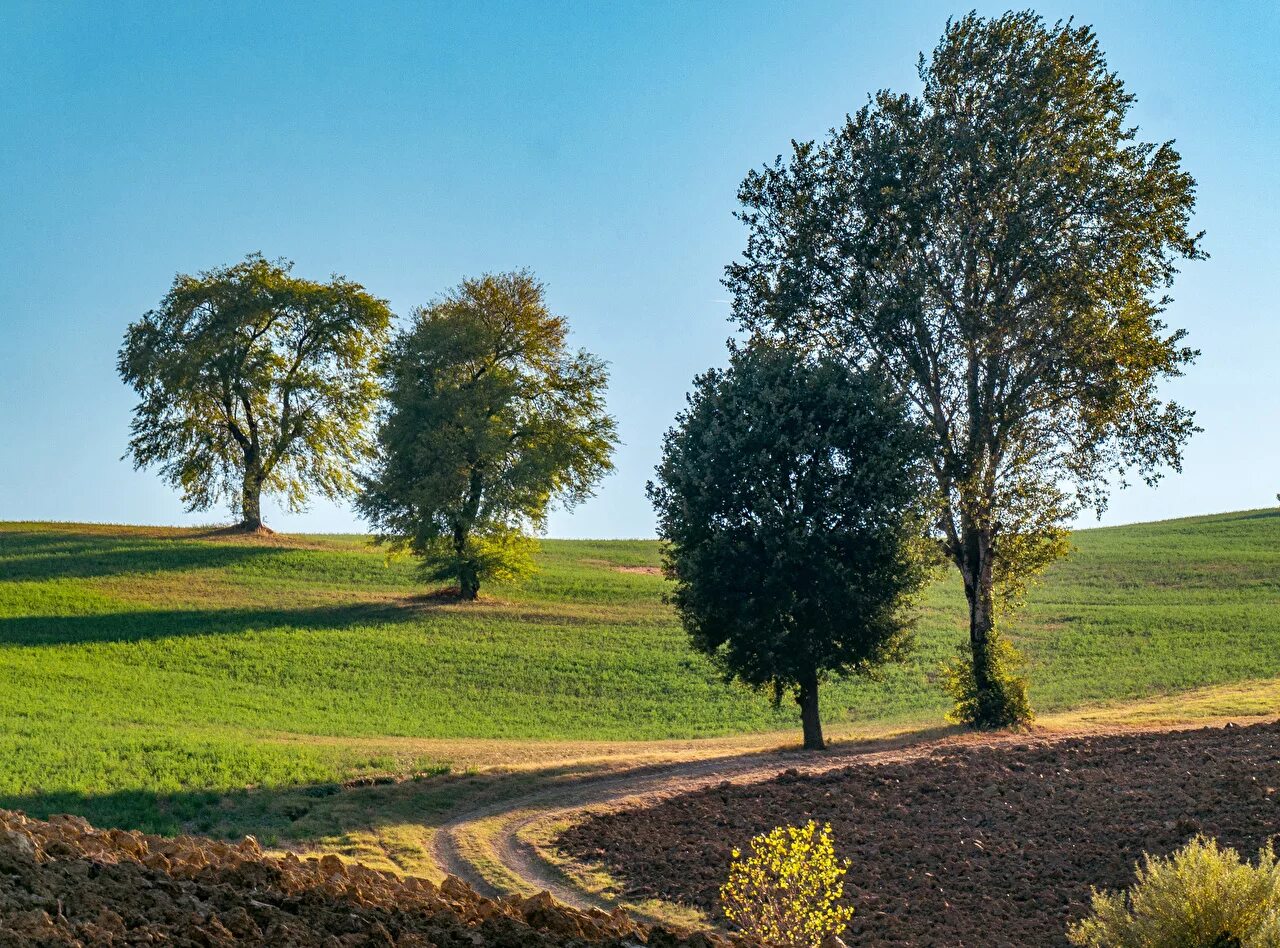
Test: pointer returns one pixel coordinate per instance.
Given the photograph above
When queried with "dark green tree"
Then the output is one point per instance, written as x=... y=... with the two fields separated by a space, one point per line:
x=999 y=246
x=252 y=379
x=791 y=496
x=491 y=418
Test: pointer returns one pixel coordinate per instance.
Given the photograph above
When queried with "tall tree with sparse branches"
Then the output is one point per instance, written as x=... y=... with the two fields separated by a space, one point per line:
x=253 y=381
x=491 y=418
x=1000 y=246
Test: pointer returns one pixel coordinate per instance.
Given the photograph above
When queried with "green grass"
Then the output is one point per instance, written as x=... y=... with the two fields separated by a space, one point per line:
x=145 y=672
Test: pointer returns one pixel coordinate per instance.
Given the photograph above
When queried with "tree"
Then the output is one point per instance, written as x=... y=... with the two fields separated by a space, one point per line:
x=491 y=419
x=251 y=380
x=999 y=246
x=791 y=498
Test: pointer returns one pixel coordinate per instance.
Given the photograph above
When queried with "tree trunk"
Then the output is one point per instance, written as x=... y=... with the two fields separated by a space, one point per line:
x=807 y=698
x=468 y=575
x=979 y=590
x=251 y=498
x=468 y=583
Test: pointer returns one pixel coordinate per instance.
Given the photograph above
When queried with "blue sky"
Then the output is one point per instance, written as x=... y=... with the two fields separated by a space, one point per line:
x=600 y=144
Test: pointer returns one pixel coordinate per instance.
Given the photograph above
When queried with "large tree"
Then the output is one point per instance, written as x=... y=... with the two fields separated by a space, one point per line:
x=792 y=496
x=252 y=379
x=491 y=418
x=1000 y=246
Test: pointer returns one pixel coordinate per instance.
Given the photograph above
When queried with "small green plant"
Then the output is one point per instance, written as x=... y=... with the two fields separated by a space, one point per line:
x=1003 y=702
x=786 y=891
x=1202 y=896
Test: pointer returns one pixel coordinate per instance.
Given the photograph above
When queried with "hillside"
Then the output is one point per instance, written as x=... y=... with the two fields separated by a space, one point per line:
x=144 y=671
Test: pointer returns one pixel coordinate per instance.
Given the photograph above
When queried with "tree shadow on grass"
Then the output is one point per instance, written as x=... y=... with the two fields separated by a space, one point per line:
x=144 y=625
x=40 y=556
x=147 y=625
x=1255 y=515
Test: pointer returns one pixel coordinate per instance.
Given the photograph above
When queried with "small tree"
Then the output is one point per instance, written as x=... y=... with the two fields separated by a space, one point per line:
x=491 y=419
x=790 y=496
x=253 y=380
x=787 y=890
x=999 y=246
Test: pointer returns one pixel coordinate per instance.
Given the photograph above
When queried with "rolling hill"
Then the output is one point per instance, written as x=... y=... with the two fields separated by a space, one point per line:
x=146 y=671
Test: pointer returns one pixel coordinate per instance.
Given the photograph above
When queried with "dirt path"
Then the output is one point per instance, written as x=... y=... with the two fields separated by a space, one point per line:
x=489 y=846
x=482 y=845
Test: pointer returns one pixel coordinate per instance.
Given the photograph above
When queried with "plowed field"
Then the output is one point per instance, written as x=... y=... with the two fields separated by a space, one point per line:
x=978 y=845
x=64 y=883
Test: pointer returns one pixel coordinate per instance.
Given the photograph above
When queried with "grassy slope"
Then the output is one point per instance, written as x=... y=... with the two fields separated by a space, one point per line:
x=143 y=671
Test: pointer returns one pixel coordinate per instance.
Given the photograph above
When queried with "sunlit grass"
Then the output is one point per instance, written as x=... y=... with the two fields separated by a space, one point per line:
x=145 y=673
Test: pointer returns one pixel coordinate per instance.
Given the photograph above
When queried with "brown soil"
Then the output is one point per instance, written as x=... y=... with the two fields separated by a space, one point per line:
x=639 y=570
x=64 y=883
x=980 y=845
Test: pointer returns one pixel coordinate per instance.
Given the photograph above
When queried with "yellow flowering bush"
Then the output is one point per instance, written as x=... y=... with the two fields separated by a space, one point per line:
x=786 y=890
x=1202 y=896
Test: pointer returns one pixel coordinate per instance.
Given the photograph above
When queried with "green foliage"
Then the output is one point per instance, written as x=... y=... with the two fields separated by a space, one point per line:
x=791 y=496
x=502 y=556
x=1021 y=558
x=1202 y=896
x=1004 y=703
x=787 y=890
x=252 y=380
x=491 y=420
x=1001 y=246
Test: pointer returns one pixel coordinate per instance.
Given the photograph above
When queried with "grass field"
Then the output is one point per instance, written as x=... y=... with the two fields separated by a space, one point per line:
x=145 y=674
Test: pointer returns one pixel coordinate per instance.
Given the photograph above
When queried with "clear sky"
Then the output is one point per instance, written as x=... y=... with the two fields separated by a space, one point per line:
x=600 y=144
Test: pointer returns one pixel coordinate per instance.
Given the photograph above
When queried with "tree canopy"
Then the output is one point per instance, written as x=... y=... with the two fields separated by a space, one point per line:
x=252 y=379
x=792 y=497
x=491 y=419
x=999 y=246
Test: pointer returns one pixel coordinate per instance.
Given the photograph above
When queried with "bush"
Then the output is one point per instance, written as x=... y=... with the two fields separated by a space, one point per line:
x=1004 y=704
x=1200 y=897
x=787 y=891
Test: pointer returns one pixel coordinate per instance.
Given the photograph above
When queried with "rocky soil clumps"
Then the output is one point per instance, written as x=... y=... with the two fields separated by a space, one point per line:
x=983 y=843
x=64 y=883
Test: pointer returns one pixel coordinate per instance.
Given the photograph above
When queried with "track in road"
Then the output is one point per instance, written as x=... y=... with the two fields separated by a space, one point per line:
x=511 y=865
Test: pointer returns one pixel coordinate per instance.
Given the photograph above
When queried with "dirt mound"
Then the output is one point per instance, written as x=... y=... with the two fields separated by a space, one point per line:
x=989 y=844
x=65 y=883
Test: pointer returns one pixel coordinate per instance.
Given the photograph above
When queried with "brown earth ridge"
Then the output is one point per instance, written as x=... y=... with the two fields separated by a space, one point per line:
x=982 y=844
x=64 y=883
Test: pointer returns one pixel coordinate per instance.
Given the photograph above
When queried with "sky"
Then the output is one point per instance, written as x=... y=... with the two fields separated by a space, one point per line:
x=599 y=144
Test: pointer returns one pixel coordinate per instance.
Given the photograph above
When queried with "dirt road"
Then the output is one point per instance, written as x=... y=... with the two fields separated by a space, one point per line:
x=502 y=848
x=507 y=847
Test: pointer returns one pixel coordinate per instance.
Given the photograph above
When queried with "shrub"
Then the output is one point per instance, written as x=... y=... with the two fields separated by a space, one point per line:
x=1004 y=703
x=1202 y=896
x=787 y=890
